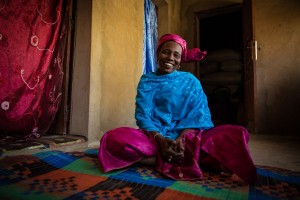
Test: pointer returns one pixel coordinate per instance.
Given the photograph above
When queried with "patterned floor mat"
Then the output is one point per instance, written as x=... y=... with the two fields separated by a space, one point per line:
x=76 y=175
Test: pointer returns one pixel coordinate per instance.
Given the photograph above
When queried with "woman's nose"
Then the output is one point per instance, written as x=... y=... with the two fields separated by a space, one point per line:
x=171 y=56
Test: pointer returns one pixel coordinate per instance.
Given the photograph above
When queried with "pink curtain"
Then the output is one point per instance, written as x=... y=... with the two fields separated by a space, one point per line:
x=33 y=38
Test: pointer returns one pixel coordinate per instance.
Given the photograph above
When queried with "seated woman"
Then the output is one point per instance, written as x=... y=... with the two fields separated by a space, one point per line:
x=176 y=134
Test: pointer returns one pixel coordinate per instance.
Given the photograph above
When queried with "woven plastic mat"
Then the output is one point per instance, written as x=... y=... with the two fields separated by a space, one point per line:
x=76 y=175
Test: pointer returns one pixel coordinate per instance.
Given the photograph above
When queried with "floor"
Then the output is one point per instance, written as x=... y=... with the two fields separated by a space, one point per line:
x=275 y=151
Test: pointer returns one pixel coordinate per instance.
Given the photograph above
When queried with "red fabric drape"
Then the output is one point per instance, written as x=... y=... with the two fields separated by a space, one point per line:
x=33 y=37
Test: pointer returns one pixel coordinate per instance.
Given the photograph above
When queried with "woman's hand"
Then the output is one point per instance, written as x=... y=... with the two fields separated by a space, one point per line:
x=179 y=147
x=166 y=148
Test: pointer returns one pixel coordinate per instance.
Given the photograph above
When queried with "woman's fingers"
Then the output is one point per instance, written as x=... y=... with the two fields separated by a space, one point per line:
x=176 y=155
x=170 y=150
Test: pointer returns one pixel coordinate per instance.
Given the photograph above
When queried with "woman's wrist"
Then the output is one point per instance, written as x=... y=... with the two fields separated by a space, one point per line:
x=184 y=131
x=155 y=134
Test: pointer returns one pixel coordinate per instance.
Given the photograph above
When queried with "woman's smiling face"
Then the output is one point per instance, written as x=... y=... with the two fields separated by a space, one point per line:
x=169 y=57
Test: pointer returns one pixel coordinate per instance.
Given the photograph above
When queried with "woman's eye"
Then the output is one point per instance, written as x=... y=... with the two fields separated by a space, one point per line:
x=177 y=55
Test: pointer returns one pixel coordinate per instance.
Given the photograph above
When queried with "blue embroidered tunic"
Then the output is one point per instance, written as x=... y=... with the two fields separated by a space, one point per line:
x=170 y=103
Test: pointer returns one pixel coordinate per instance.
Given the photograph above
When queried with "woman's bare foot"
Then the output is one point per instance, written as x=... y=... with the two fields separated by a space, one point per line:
x=149 y=161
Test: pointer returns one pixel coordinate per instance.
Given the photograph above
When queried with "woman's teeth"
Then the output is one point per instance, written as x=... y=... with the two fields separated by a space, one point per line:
x=168 y=64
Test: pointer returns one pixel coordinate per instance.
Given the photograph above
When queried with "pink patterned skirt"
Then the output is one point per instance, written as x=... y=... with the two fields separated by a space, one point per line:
x=218 y=148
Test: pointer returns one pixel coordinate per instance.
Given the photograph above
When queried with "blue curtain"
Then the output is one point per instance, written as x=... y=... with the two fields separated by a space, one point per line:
x=150 y=37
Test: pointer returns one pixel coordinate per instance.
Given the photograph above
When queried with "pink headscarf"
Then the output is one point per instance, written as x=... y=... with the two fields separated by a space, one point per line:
x=187 y=55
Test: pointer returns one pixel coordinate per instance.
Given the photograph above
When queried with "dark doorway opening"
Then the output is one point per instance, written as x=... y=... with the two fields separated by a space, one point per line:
x=221 y=72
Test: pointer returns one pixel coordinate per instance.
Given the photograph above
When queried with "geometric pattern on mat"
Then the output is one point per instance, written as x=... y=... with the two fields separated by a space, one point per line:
x=76 y=175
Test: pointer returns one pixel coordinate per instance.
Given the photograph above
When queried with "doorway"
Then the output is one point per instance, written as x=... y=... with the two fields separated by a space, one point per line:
x=221 y=73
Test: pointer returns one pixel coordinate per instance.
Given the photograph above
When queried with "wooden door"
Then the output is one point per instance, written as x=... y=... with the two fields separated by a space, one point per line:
x=250 y=50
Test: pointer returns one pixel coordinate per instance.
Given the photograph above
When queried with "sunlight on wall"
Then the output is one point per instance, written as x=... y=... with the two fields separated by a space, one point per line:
x=116 y=64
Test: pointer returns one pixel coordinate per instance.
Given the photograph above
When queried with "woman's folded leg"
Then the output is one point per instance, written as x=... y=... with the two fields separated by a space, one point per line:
x=228 y=146
x=124 y=146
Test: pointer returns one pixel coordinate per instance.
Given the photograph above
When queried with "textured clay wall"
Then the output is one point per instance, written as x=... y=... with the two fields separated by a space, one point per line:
x=277 y=28
x=168 y=12
x=107 y=66
x=116 y=64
